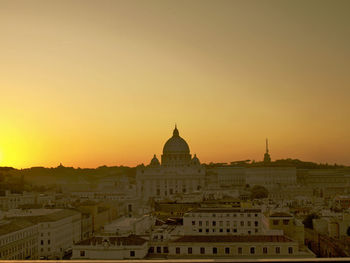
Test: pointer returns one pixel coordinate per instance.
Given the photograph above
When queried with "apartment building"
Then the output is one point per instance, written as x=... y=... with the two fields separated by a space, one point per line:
x=223 y=221
x=111 y=247
x=18 y=239
x=254 y=246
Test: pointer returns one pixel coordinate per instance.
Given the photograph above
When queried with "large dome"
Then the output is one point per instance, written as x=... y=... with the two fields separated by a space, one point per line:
x=176 y=144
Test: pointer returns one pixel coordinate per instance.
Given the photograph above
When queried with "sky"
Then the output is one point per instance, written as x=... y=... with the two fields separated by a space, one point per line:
x=90 y=83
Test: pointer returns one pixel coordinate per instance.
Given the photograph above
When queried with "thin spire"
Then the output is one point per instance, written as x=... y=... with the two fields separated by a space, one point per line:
x=267 y=145
x=176 y=131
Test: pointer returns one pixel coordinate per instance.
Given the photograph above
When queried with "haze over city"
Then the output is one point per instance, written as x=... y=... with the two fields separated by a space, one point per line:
x=90 y=83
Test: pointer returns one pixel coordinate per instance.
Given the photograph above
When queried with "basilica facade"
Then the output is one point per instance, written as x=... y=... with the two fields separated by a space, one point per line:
x=177 y=172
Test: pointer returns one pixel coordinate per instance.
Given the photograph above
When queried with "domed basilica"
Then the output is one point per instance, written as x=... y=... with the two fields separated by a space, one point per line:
x=177 y=172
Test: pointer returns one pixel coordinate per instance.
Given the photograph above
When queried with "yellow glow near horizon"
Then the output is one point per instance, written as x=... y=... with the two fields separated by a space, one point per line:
x=91 y=83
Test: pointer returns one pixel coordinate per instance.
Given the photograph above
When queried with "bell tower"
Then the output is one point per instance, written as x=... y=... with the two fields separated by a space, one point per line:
x=267 y=157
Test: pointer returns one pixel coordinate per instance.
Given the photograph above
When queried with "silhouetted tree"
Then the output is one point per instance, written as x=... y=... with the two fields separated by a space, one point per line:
x=308 y=220
x=258 y=192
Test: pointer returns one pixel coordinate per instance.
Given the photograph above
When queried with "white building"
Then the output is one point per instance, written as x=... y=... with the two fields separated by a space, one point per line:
x=269 y=177
x=10 y=200
x=111 y=247
x=223 y=221
x=178 y=172
x=259 y=246
x=18 y=239
x=58 y=229
x=130 y=226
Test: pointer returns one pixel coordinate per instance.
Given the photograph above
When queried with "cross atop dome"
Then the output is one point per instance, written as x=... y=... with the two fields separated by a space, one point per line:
x=176 y=131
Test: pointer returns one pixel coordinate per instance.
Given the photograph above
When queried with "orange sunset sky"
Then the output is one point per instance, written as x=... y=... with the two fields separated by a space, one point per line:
x=90 y=83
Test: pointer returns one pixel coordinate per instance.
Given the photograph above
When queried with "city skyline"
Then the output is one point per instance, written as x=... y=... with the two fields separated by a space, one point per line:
x=91 y=83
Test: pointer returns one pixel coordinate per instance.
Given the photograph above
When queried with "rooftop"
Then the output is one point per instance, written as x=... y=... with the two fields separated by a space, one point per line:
x=131 y=240
x=13 y=225
x=226 y=210
x=280 y=214
x=51 y=217
x=227 y=239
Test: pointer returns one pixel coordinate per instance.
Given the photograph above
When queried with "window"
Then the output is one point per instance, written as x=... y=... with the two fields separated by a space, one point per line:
x=189 y=250
x=242 y=223
x=215 y=250
x=240 y=251
x=290 y=250
x=193 y=223
x=249 y=223
x=285 y=222
x=207 y=223
x=200 y=223
x=214 y=223
x=220 y=223
x=166 y=250
x=132 y=253
x=207 y=230
x=159 y=250
x=228 y=230
x=221 y=230
x=177 y=250
x=256 y=223
x=200 y=230
x=278 y=250
x=82 y=253
x=48 y=242
x=264 y=250
x=227 y=250
x=202 y=250
x=41 y=242
x=252 y=250
x=235 y=230
x=275 y=222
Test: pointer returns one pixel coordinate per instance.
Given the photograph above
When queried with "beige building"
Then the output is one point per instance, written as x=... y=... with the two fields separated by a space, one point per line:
x=223 y=221
x=18 y=239
x=256 y=246
x=270 y=177
x=58 y=229
x=335 y=226
x=10 y=200
x=111 y=247
x=291 y=227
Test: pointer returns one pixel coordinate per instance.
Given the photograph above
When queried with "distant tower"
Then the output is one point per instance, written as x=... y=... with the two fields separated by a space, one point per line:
x=267 y=158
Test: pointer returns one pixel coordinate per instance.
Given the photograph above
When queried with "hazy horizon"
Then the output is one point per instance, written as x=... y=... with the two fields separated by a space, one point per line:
x=91 y=83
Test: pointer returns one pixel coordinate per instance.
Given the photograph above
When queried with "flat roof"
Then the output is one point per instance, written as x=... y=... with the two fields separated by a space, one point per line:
x=13 y=225
x=232 y=239
x=52 y=217
x=131 y=240
x=225 y=210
